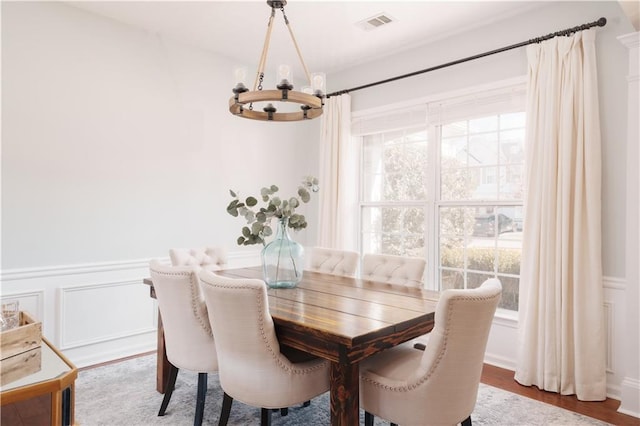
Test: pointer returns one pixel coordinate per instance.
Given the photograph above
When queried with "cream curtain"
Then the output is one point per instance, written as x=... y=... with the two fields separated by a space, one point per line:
x=562 y=337
x=338 y=177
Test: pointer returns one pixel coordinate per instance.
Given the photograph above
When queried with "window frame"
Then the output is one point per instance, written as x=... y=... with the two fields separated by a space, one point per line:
x=433 y=202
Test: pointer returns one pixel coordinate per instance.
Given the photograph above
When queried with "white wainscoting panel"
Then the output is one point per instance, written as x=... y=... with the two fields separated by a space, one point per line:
x=501 y=346
x=31 y=301
x=94 y=313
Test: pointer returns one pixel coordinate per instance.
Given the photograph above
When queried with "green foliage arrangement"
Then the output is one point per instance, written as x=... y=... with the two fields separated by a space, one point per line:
x=258 y=225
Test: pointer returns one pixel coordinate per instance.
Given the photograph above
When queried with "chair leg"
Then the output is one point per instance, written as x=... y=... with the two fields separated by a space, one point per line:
x=265 y=417
x=202 y=394
x=420 y=346
x=368 y=419
x=226 y=410
x=168 y=391
x=466 y=422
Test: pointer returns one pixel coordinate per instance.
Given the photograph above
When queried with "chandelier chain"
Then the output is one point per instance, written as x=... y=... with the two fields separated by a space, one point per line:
x=260 y=80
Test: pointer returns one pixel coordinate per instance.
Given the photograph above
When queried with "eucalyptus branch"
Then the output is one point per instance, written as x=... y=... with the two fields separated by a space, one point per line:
x=258 y=226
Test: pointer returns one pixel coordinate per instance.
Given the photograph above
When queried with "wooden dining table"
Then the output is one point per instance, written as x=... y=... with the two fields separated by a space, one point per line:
x=341 y=319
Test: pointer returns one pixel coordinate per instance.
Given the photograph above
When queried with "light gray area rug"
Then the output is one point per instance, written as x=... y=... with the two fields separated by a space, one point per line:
x=123 y=394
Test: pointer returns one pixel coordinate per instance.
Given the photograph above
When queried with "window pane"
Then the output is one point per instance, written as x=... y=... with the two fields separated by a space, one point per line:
x=391 y=219
x=484 y=124
x=486 y=183
x=493 y=247
x=475 y=280
x=481 y=258
x=391 y=244
x=453 y=152
x=511 y=183
x=512 y=147
x=509 y=260
x=452 y=221
x=452 y=280
x=458 y=184
x=405 y=168
x=452 y=253
x=393 y=230
x=394 y=166
x=483 y=149
x=510 y=290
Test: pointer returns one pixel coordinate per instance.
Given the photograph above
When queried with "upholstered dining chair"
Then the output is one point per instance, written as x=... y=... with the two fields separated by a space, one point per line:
x=437 y=386
x=393 y=269
x=252 y=368
x=187 y=330
x=211 y=258
x=334 y=261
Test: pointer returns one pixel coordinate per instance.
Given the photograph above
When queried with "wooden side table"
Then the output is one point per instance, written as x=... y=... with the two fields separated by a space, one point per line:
x=56 y=379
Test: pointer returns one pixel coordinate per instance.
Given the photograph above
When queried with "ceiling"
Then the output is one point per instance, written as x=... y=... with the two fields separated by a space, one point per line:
x=326 y=31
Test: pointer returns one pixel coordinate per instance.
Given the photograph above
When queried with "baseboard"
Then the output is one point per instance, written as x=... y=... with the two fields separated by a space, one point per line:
x=498 y=361
x=630 y=397
x=109 y=351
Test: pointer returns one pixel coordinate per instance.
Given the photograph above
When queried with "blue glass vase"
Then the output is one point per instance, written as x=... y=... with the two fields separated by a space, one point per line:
x=282 y=259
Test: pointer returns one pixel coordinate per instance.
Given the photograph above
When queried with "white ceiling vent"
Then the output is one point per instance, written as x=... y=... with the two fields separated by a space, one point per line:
x=376 y=21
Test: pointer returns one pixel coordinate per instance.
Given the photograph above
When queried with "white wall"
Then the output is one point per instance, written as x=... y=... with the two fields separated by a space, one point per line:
x=116 y=146
x=541 y=19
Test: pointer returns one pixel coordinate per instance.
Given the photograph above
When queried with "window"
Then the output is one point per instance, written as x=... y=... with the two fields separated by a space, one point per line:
x=394 y=188
x=447 y=184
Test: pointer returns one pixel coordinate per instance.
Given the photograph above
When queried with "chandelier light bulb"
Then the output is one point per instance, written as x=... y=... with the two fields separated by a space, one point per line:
x=240 y=75
x=318 y=83
x=284 y=72
x=285 y=77
x=240 y=80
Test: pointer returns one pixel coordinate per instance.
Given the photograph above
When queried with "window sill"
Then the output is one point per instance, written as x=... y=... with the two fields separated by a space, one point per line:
x=506 y=318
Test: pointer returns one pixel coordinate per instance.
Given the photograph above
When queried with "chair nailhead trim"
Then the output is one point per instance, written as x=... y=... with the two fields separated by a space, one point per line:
x=435 y=364
x=195 y=297
x=260 y=307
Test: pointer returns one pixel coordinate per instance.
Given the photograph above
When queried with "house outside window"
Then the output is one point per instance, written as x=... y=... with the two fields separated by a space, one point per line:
x=445 y=181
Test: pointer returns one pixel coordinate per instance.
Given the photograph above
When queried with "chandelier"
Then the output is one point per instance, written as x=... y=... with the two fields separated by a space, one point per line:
x=310 y=98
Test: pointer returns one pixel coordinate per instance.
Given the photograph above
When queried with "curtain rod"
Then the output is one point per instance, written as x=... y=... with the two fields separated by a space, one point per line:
x=600 y=23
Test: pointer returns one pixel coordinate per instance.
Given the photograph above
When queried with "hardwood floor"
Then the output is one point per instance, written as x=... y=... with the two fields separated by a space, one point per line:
x=605 y=410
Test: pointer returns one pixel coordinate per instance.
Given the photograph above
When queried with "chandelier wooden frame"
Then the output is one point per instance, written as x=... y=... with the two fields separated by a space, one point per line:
x=311 y=104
